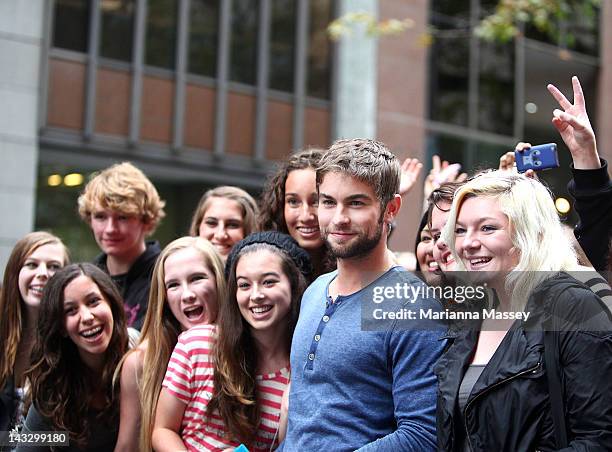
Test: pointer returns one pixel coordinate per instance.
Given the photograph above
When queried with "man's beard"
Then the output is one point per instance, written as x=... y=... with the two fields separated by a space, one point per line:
x=361 y=246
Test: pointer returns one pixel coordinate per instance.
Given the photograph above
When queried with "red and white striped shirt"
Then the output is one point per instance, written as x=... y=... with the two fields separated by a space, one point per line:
x=190 y=378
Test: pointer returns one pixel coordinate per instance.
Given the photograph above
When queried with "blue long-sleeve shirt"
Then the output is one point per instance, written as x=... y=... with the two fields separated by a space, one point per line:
x=366 y=390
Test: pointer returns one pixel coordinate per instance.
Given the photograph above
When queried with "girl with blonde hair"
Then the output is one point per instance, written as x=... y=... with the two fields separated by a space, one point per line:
x=537 y=375
x=224 y=383
x=187 y=285
x=538 y=239
x=224 y=216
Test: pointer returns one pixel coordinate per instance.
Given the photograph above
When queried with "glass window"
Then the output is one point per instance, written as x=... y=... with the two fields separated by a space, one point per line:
x=53 y=196
x=117 y=29
x=203 y=31
x=282 y=44
x=496 y=88
x=486 y=155
x=579 y=32
x=71 y=25
x=449 y=74
x=319 y=49
x=243 y=62
x=472 y=154
x=532 y=32
x=452 y=8
x=582 y=30
x=488 y=7
x=447 y=147
x=161 y=33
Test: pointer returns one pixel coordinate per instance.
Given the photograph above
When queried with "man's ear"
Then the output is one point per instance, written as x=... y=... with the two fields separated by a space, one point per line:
x=148 y=226
x=393 y=208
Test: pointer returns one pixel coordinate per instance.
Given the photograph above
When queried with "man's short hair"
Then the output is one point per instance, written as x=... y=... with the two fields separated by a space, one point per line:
x=122 y=188
x=366 y=160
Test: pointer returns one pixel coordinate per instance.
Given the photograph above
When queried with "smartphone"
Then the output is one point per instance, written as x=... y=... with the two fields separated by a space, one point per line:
x=537 y=158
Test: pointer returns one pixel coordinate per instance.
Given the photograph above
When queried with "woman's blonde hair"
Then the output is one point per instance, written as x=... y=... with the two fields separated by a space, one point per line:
x=11 y=303
x=161 y=329
x=536 y=231
x=123 y=188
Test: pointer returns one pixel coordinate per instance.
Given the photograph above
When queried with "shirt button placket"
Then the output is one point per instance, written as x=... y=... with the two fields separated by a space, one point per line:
x=317 y=337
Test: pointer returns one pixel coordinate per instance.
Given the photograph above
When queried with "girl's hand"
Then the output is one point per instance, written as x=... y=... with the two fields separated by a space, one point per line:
x=442 y=172
x=575 y=128
x=411 y=168
x=507 y=162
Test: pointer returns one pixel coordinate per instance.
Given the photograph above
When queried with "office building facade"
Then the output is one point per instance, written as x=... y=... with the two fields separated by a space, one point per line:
x=199 y=93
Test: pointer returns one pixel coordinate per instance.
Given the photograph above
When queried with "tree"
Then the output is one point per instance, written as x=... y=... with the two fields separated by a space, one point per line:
x=502 y=25
x=548 y=16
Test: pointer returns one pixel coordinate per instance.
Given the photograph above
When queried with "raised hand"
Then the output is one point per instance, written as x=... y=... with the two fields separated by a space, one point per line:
x=507 y=162
x=411 y=168
x=575 y=128
x=442 y=172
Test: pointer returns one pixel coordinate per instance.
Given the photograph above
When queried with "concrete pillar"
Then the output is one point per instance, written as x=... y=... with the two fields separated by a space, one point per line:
x=21 y=44
x=355 y=77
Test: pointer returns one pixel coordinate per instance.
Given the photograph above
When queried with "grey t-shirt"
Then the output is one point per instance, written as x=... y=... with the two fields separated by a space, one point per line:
x=465 y=389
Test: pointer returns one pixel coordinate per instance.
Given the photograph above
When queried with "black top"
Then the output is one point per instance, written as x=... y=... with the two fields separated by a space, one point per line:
x=135 y=284
x=102 y=437
x=8 y=410
x=465 y=389
x=508 y=408
x=8 y=405
x=592 y=190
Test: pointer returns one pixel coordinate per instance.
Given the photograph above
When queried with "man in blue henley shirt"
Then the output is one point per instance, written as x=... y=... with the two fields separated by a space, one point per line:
x=351 y=388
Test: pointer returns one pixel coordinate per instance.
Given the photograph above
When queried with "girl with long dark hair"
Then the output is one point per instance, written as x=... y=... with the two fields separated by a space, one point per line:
x=82 y=336
x=289 y=203
x=34 y=259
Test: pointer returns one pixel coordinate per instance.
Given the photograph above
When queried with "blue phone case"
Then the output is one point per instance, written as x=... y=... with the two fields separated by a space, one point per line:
x=537 y=158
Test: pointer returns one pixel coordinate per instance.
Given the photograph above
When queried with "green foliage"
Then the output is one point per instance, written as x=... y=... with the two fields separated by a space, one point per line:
x=343 y=25
x=510 y=16
x=504 y=23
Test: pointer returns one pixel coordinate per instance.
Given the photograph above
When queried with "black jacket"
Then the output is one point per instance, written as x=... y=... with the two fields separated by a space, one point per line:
x=8 y=408
x=592 y=190
x=135 y=289
x=509 y=407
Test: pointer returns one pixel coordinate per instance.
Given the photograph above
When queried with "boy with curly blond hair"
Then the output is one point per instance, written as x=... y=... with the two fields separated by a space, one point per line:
x=123 y=208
